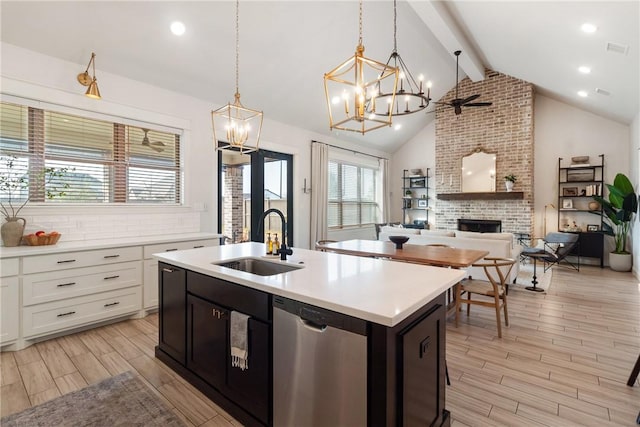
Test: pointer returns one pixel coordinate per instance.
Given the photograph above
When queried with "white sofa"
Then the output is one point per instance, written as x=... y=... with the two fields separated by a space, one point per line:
x=498 y=244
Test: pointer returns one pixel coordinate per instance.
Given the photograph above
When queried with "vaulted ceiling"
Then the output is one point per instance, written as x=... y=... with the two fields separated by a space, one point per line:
x=287 y=46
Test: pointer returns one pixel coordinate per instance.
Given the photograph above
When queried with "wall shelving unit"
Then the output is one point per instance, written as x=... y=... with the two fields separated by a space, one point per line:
x=415 y=199
x=577 y=184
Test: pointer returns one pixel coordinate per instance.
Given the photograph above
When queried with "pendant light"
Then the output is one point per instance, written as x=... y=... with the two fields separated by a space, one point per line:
x=410 y=97
x=234 y=125
x=352 y=88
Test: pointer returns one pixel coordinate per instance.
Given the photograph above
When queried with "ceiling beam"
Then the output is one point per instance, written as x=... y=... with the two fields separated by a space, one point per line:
x=440 y=22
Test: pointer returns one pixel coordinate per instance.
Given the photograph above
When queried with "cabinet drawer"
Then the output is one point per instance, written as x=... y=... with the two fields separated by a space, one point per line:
x=59 y=315
x=178 y=246
x=231 y=295
x=44 y=287
x=9 y=309
x=61 y=261
x=9 y=267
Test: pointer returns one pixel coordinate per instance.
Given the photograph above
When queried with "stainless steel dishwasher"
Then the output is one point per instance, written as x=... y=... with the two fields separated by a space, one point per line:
x=319 y=366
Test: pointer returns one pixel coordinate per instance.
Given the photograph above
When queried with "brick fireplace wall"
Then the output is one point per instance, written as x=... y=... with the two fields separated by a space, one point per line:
x=504 y=128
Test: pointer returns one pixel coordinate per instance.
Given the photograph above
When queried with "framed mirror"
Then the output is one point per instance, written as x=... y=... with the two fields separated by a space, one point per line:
x=479 y=172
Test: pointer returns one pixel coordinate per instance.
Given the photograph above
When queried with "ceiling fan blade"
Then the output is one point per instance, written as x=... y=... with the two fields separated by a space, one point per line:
x=470 y=98
x=158 y=143
x=478 y=104
x=157 y=149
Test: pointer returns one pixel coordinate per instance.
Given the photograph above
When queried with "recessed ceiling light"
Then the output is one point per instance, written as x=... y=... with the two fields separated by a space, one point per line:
x=177 y=28
x=588 y=27
x=583 y=93
x=584 y=69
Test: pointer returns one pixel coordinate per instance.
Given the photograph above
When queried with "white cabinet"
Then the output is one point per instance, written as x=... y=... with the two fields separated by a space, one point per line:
x=9 y=300
x=57 y=290
x=41 y=319
x=66 y=290
x=150 y=297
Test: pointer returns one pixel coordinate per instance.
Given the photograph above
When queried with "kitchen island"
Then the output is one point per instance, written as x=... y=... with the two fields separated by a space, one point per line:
x=386 y=317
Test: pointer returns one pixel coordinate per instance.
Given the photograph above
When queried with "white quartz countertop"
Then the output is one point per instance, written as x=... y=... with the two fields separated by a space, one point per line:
x=82 y=245
x=381 y=291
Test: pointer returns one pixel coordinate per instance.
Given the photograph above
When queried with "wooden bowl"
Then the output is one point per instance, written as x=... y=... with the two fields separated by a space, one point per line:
x=399 y=240
x=42 y=240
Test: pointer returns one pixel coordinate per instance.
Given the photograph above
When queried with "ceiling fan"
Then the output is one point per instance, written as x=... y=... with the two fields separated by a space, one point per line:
x=458 y=103
x=155 y=145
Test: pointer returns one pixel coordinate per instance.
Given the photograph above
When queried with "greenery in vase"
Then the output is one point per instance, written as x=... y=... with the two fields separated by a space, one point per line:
x=619 y=211
x=511 y=177
x=14 y=183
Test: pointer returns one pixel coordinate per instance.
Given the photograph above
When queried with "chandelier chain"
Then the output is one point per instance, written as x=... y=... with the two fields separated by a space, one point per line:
x=360 y=25
x=237 y=43
x=395 y=27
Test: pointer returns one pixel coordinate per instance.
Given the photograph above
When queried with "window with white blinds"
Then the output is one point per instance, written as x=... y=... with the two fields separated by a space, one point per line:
x=352 y=195
x=97 y=161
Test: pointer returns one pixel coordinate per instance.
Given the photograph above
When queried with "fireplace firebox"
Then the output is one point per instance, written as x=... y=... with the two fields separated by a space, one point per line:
x=480 y=225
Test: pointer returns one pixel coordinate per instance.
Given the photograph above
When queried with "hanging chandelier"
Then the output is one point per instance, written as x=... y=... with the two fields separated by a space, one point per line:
x=410 y=97
x=352 y=90
x=234 y=125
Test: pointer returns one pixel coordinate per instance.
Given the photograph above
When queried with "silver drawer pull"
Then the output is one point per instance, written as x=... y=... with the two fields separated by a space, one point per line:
x=171 y=250
x=66 y=314
x=111 y=256
x=112 y=303
x=167 y=270
x=66 y=284
x=200 y=246
x=66 y=261
x=111 y=277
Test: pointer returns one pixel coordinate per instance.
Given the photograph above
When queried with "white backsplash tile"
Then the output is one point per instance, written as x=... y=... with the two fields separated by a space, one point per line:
x=113 y=226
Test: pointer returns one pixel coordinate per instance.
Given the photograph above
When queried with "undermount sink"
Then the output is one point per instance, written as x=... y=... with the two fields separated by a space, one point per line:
x=258 y=266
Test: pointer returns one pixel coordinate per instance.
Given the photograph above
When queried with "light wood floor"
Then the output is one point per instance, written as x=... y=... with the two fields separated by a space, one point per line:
x=564 y=360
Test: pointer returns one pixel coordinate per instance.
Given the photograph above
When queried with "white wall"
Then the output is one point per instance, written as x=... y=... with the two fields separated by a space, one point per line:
x=32 y=75
x=418 y=153
x=561 y=130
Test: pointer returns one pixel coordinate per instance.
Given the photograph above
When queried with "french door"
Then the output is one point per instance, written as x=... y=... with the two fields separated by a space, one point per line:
x=248 y=185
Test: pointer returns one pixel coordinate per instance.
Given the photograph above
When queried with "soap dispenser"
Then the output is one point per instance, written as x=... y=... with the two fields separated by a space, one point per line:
x=269 y=244
x=276 y=245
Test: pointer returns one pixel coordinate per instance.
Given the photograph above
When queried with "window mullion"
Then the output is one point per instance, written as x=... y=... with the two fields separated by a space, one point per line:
x=37 y=155
x=119 y=163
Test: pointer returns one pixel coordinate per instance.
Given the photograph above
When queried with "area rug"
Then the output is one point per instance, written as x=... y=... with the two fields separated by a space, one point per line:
x=123 y=400
x=525 y=276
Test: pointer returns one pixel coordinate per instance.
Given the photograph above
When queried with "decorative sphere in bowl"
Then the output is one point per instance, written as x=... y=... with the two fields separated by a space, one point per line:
x=399 y=240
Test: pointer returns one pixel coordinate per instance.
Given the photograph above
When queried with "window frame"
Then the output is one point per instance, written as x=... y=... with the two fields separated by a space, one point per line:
x=118 y=190
x=359 y=202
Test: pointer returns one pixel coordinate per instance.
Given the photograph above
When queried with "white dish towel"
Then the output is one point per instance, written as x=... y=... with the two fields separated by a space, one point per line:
x=239 y=340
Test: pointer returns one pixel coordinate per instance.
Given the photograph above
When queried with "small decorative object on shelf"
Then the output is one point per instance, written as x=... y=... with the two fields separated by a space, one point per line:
x=579 y=161
x=509 y=180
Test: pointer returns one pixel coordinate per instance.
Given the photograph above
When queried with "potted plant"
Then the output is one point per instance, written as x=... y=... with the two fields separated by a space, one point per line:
x=618 y=213
x=509 y=180
x=13 y=186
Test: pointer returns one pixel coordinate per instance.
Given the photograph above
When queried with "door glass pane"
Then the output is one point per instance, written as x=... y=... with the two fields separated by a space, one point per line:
x=236 y=196
x=275 y=195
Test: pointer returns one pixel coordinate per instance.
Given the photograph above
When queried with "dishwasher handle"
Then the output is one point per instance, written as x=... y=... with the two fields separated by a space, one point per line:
x=312 y=325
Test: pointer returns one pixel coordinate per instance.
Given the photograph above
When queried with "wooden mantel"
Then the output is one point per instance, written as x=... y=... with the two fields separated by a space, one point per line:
x=497 y=195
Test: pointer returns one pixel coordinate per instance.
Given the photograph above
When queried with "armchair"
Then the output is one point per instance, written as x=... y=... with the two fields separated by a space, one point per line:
x=555 y=248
